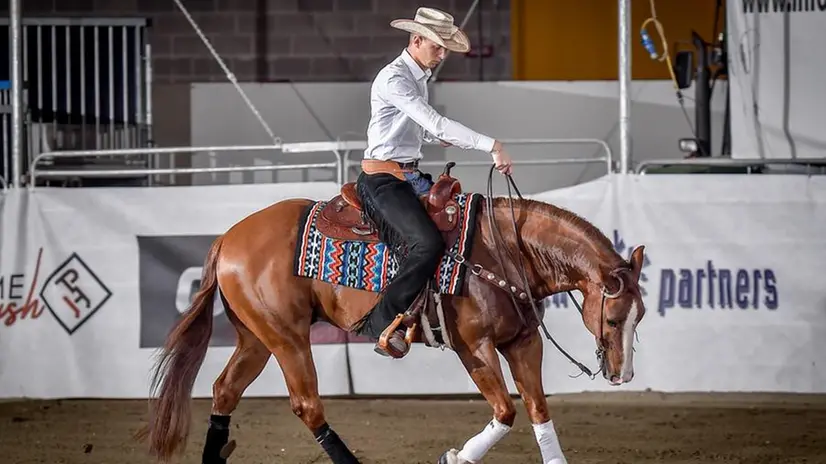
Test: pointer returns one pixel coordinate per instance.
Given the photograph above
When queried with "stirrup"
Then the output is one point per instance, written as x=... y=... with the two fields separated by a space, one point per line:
x=383 y=346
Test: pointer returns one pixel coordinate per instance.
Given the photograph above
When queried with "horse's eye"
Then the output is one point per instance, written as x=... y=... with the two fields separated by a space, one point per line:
x=613 y=322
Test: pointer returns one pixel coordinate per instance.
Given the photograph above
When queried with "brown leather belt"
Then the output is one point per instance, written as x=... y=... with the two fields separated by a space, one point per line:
x=388 y=167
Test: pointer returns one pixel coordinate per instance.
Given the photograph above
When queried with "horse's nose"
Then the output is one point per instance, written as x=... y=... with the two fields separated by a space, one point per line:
x=629 y=378
x=615 y=380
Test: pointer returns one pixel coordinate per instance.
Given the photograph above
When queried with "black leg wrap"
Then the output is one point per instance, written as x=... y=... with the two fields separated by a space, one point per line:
x=332 y=444
x=217 y=437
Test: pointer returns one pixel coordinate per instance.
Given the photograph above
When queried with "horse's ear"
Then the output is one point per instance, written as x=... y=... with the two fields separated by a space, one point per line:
x=637 y=258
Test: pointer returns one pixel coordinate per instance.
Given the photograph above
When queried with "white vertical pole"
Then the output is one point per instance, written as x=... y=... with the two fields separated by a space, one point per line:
x=16 y=93
x=625 y=84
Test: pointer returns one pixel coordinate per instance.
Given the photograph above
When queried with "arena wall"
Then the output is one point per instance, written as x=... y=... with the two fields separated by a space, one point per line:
x=733 y=301
x=506 y=110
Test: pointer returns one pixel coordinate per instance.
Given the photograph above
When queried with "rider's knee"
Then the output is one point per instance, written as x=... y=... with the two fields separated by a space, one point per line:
x=434 y=245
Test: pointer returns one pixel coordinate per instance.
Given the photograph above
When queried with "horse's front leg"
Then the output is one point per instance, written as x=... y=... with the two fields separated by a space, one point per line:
x=482 y=363
x=524 y=356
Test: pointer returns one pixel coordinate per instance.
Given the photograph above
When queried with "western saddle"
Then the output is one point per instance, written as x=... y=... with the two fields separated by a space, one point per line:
x=342 y=218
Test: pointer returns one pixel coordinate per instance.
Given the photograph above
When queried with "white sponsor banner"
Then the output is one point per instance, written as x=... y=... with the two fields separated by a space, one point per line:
x=71 y=318
x=734 y=295
x=776 y=63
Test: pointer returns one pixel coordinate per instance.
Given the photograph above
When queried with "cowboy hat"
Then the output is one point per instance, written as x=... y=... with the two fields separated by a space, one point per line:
x=437 y=26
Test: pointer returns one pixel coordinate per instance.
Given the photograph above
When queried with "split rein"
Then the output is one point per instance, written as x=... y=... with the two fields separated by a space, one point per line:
x=515 y=292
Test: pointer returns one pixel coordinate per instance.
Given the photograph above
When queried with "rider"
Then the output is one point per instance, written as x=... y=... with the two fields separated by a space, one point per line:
x=391 y=182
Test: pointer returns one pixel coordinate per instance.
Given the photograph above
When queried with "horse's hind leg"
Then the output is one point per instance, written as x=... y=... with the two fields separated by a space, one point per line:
x=524 y=356
x=286 y=333
x=245 y=365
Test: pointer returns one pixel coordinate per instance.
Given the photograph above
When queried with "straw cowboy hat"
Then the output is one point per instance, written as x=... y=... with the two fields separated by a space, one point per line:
x=437 y=26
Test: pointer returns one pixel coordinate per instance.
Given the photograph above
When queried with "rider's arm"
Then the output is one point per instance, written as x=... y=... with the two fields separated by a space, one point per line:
x=403 y=95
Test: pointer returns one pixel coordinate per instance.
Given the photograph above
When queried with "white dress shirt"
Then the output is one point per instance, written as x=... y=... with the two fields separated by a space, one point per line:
x=401 y=118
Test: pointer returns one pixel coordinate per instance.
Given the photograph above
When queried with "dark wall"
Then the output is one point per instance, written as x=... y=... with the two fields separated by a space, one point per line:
x=299 y=40
x=279 y=40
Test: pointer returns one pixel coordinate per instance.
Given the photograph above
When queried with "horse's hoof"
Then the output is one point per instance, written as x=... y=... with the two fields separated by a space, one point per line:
x=451 y=457
x=227 y=449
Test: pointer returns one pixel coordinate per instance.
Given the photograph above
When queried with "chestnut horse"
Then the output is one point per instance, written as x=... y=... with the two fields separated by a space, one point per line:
x=250 y=267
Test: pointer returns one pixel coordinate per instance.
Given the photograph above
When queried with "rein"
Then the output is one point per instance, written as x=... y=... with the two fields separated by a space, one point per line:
x=526 y=294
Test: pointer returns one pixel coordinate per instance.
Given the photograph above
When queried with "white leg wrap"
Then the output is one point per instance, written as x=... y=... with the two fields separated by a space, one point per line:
x=548 y=443
x=475 y=448
x=452 y=457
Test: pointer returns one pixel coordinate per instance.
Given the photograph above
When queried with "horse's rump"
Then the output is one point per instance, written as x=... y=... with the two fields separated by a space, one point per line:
x=369 y=265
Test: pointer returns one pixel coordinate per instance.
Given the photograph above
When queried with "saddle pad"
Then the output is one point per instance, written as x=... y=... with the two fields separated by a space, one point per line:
x=371 y=266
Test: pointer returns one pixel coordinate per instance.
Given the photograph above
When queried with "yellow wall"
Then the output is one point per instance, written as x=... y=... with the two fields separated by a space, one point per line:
x=577 y=39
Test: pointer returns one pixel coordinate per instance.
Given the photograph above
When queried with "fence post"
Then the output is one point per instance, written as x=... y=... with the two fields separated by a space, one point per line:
x=624 y=29
x=16 y=93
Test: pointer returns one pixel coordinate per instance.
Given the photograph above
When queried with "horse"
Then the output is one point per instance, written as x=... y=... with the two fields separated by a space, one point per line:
x=251 y=268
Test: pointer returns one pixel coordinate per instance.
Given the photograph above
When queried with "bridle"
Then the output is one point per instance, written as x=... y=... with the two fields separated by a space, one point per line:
x=516 y=293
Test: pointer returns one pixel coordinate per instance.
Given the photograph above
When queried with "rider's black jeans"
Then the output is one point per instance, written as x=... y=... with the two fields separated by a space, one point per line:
x=406 y=227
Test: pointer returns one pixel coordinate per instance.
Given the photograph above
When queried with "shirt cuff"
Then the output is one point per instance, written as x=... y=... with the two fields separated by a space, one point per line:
x=485 y=143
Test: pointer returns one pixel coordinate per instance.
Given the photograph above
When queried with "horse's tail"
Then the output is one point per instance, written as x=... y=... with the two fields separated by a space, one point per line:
x=178 y=365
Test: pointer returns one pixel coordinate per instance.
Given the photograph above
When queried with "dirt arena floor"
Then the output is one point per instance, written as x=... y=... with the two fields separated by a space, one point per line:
x=593 y=428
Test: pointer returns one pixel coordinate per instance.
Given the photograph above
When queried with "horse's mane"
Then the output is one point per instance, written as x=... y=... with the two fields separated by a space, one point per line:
x=562 y=215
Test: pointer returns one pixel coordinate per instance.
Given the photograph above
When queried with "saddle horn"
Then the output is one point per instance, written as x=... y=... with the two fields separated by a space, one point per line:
x=448 y=167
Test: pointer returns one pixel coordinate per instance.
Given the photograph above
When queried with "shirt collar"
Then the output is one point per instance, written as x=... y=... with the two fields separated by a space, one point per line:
x=418 y=72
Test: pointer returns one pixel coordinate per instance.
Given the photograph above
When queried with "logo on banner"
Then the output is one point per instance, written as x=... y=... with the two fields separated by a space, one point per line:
x=72 y=293
x=708 y=285
x=704 y=285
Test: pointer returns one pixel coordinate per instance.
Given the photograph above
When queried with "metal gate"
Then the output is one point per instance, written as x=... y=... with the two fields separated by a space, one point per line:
x=86 y=86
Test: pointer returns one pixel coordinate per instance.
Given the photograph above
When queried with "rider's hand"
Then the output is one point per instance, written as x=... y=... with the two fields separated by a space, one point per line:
x=502 y=159
x=445 y=144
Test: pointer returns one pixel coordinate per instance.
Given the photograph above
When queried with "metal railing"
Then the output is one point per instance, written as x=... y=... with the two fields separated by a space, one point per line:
x=748 y=163
x=86 y=85
x=608 y=158
x=171 y=151
x=340 y=150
